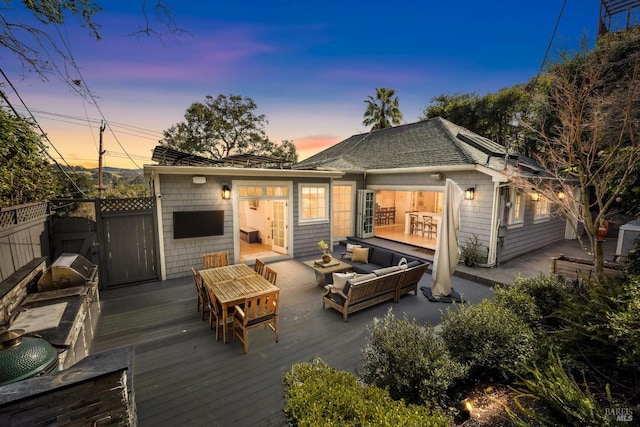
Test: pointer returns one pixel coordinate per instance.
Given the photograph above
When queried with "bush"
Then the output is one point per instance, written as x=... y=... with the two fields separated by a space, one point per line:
x=490 y=339
x=409 y=360
x=570 y=404
x=319 y=395
x=601 y=325
x=632 y=260
x=548 y=291
x=516 y=299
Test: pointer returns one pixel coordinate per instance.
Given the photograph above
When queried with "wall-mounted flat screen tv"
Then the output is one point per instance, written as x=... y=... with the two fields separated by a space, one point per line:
x=198 y=224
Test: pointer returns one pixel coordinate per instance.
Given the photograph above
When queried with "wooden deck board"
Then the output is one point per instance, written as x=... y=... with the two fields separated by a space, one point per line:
x=182 y=376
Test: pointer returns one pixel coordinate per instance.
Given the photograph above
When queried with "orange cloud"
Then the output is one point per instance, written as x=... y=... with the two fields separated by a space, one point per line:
x=309 y=145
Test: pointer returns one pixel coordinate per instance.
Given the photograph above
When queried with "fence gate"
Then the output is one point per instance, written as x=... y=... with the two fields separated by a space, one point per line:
x=128 y=242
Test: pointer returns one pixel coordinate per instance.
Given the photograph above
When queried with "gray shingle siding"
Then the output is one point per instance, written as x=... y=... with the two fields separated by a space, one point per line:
x=179 y=193
x=519 y=241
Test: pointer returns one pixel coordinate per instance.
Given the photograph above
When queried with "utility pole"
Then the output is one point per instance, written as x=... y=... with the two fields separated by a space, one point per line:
x=101 y=186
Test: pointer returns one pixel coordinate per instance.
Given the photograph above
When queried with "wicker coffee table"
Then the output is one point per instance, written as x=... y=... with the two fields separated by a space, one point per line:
x=321 y=269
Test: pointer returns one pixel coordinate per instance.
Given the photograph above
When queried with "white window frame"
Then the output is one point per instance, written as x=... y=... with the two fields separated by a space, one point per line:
x=541 y=212
x=327 y=195
x=516 y=211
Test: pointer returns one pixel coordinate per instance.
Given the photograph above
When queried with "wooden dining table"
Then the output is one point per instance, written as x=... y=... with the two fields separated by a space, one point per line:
x=232 y=284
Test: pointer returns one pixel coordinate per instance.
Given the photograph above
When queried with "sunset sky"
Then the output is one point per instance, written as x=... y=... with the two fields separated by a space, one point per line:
x=308 y=65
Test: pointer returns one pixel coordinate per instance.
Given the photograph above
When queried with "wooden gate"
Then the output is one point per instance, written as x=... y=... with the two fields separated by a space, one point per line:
x=128 y=242
x=116 y=234
x=73 y=228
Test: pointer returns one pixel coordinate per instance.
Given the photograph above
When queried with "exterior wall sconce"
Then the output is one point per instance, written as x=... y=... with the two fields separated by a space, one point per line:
x=535 y=196
x=561 y=195
x=226 y=191
x=470 y=194
x=437 y=176
x=199 y=179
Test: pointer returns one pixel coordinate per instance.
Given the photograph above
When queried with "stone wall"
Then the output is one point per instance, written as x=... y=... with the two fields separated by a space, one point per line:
x=97 y=391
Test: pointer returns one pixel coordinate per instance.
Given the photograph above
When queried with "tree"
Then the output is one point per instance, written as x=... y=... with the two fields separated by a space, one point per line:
x=25 y=174
x=591 y=155
x=382 y=111
x=494 y=116
x=223 y=126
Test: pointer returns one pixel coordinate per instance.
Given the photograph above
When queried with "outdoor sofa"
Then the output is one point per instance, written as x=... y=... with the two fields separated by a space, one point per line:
x=385 y=276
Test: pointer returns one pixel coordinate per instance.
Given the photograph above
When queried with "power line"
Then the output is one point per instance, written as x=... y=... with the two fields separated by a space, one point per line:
x=44 y=149
x=95 y=102
x=553 y=36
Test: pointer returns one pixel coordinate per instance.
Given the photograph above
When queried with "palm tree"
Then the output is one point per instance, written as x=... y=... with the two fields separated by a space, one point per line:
x=382 y=111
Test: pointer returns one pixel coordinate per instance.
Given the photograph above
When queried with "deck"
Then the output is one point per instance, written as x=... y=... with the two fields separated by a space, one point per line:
x=182 y=376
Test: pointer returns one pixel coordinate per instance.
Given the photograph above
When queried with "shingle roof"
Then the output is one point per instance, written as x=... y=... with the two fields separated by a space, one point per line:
x=433 y=142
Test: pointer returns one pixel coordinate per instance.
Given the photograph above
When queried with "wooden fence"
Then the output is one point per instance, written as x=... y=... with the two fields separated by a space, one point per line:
x=23 y=236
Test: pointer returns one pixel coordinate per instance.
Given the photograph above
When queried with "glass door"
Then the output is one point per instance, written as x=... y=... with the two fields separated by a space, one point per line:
x=366 y=213
x=279 y=226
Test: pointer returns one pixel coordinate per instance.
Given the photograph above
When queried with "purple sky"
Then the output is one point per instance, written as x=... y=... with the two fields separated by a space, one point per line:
x=308 y=65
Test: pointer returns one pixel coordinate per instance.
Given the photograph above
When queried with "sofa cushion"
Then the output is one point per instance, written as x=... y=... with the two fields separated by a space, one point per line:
x=386 y=270
x=359 y=278
x=349 y=253
x=381 y=257
x=397 y=257
x=340 y=280
x=360 y=255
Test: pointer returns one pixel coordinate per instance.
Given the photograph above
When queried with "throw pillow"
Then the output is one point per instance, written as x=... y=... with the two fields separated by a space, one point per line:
x=360 y=255
x=340 y=279
x=349 y=253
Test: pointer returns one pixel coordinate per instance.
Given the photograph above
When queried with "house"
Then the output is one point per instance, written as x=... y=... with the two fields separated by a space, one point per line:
x=258 y=211
x=405 y=168
x=275 y=212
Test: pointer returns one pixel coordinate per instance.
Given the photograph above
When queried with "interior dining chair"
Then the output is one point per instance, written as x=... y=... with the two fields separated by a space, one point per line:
x=428 y=225
x=214 y=260
x=260 y=310
x=417 y=226
x=270 y=274
x=259 y=266
x=201 y=292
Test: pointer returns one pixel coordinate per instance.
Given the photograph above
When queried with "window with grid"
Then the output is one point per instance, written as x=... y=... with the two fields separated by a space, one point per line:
x=541 y=212
x=342 y=208
x=516 y=213
x=314 y=202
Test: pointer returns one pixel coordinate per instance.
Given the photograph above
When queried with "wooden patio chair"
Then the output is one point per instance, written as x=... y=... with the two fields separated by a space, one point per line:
x=218 y=259
x=201 y=293
x=215 y=313
x=270 y=274
x=428 y=225
x=259 y=266
x=261 y=310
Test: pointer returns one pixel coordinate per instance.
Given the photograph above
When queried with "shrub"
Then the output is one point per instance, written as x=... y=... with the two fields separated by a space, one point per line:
x=319 y=395
x=548 y=291
x=601 y=325
x=570 y=404
x=409 y=360
x=632 y=260
x=516 y=299
x=490 y=339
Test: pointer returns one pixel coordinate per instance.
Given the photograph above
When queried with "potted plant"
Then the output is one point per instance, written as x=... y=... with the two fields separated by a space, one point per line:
x=324 y=247
x=470 y=251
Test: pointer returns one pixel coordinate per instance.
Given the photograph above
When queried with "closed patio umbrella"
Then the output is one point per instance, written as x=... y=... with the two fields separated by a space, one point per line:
x=447 y=251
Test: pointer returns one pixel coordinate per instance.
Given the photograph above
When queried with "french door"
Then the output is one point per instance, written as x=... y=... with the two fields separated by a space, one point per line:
x=365 y=213
x=279 y=226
